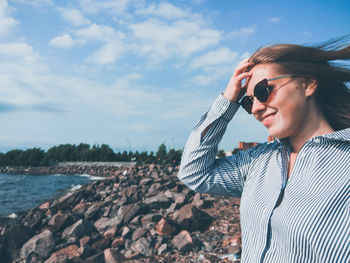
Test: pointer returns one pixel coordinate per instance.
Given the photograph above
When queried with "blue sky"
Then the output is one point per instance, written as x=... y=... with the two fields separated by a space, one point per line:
x=134 y=73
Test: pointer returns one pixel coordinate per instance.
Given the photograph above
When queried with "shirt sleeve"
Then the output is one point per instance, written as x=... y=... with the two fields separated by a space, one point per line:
x=199 y=168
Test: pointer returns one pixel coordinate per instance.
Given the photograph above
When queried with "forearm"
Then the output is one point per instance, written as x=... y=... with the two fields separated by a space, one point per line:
x=199 y=169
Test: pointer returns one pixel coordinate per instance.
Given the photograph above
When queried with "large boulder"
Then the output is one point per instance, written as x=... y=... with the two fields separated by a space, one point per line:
x=192 y=218
x=106 y=223
x=183 y=241
x=41 y=244
x=59 y=221
x=77 y=230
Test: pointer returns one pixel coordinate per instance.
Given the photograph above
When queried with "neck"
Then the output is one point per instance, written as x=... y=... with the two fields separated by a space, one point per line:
x=316 y=125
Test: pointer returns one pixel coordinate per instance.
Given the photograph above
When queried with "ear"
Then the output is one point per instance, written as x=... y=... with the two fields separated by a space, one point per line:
x=310 y=87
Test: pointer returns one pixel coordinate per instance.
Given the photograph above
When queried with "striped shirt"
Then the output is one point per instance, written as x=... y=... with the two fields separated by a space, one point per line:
x=303 y=219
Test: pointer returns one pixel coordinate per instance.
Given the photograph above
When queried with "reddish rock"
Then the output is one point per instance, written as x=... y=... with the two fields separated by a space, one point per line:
x=165 y=227
x=110 y=233
x=57 y=258
x=118 y=242
x=79 y=208
x=60 y=221
x=71 y=252
x=191 y=218
x=183 y=241
x=44 y=206
x=101 y=244
x=84 y=241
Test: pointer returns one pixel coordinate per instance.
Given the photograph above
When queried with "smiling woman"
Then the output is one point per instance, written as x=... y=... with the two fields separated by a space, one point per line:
x=295 y=191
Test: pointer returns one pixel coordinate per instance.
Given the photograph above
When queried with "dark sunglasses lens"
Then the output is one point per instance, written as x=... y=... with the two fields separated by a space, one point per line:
x=261 y=91
x=247 y=104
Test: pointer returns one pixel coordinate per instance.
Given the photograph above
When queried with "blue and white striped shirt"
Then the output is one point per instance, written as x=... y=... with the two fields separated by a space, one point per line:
x=303 y=219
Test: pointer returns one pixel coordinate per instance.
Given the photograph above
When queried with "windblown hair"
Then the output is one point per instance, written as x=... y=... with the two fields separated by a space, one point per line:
x=317 y=63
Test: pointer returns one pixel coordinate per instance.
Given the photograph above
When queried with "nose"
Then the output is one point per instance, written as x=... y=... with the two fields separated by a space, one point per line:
x=257 y=106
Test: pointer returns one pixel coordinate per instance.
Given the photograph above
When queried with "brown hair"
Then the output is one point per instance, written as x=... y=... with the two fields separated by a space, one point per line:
x=315 y=63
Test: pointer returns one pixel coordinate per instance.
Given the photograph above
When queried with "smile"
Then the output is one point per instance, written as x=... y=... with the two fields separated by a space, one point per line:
x=267 y=120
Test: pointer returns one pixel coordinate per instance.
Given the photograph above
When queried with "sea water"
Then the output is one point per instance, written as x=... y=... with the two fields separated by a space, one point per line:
x=22 y=192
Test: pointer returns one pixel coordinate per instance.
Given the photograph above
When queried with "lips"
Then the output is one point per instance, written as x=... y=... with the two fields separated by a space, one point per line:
x=267 y=119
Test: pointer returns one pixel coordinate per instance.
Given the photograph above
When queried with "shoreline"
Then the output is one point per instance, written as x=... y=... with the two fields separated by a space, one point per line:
x=102 y=169
x=138 y=214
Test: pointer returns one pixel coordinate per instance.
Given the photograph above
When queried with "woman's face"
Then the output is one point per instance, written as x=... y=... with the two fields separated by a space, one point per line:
x=284 y=113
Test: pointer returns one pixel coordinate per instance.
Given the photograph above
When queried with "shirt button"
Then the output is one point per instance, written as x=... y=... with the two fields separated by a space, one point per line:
x=317 y=140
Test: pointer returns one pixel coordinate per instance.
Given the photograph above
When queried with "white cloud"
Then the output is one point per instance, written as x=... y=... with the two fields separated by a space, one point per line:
x=164 y=10
x=108 y=53
x=274 y=20
x=98 y=33
x=97 y=6
x=161 y=40
x=36 y=3
x=243 y=32
x=214 y=58
x=73 y=16
x=7 y=22
x=18 y=49
x=64 y=41
x=113 y=45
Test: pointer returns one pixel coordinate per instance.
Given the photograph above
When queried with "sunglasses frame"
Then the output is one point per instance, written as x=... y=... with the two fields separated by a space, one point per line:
x=247 y=101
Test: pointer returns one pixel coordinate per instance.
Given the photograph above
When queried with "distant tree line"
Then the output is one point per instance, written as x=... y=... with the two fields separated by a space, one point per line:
x=86 y=153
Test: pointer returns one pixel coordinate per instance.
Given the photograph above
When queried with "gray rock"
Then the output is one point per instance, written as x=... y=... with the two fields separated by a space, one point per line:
x=97 y=258
x=163 y=248
x=140 y=232
x=77 y=230
x=183 y=241
x=105 y=223
x=92 y=211
x=158 y=201
x=127 y=212
x=142 y=246
x=41 y=244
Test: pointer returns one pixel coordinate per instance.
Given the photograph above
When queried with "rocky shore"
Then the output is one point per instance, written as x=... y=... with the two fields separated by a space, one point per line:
x=91 y=168
x=137 y=214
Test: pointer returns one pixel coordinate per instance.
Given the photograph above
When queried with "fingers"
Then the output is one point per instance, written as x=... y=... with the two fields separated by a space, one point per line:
x=244 y=75
x=242 y=67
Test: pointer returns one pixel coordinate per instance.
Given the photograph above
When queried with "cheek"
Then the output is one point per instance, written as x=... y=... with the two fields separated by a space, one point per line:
x=292 y=112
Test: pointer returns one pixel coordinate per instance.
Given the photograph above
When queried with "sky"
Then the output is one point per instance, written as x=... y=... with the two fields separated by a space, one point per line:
x=134 y=74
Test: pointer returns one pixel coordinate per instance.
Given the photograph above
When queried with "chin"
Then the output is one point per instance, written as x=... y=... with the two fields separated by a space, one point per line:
x=278 y=133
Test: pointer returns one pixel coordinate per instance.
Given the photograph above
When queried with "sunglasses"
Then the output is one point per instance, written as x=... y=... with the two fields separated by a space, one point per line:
x=262 y=92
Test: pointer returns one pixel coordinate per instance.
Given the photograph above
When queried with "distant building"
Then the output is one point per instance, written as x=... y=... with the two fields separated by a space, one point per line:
x=246 y=145
x=270 y=139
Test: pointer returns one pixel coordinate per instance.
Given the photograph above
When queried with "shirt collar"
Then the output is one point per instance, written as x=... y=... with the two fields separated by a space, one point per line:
x=341 y=135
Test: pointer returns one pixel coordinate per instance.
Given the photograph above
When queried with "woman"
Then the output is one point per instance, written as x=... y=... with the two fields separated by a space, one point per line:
x=295 y=192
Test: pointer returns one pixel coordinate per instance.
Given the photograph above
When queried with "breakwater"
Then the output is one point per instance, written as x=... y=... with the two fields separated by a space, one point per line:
x=91 y=168
x=137 y=214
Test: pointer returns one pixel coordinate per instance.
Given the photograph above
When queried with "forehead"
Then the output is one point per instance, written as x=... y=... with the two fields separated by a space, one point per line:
x=260 y=72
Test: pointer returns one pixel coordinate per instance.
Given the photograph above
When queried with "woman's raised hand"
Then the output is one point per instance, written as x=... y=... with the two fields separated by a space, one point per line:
x=233 y=90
